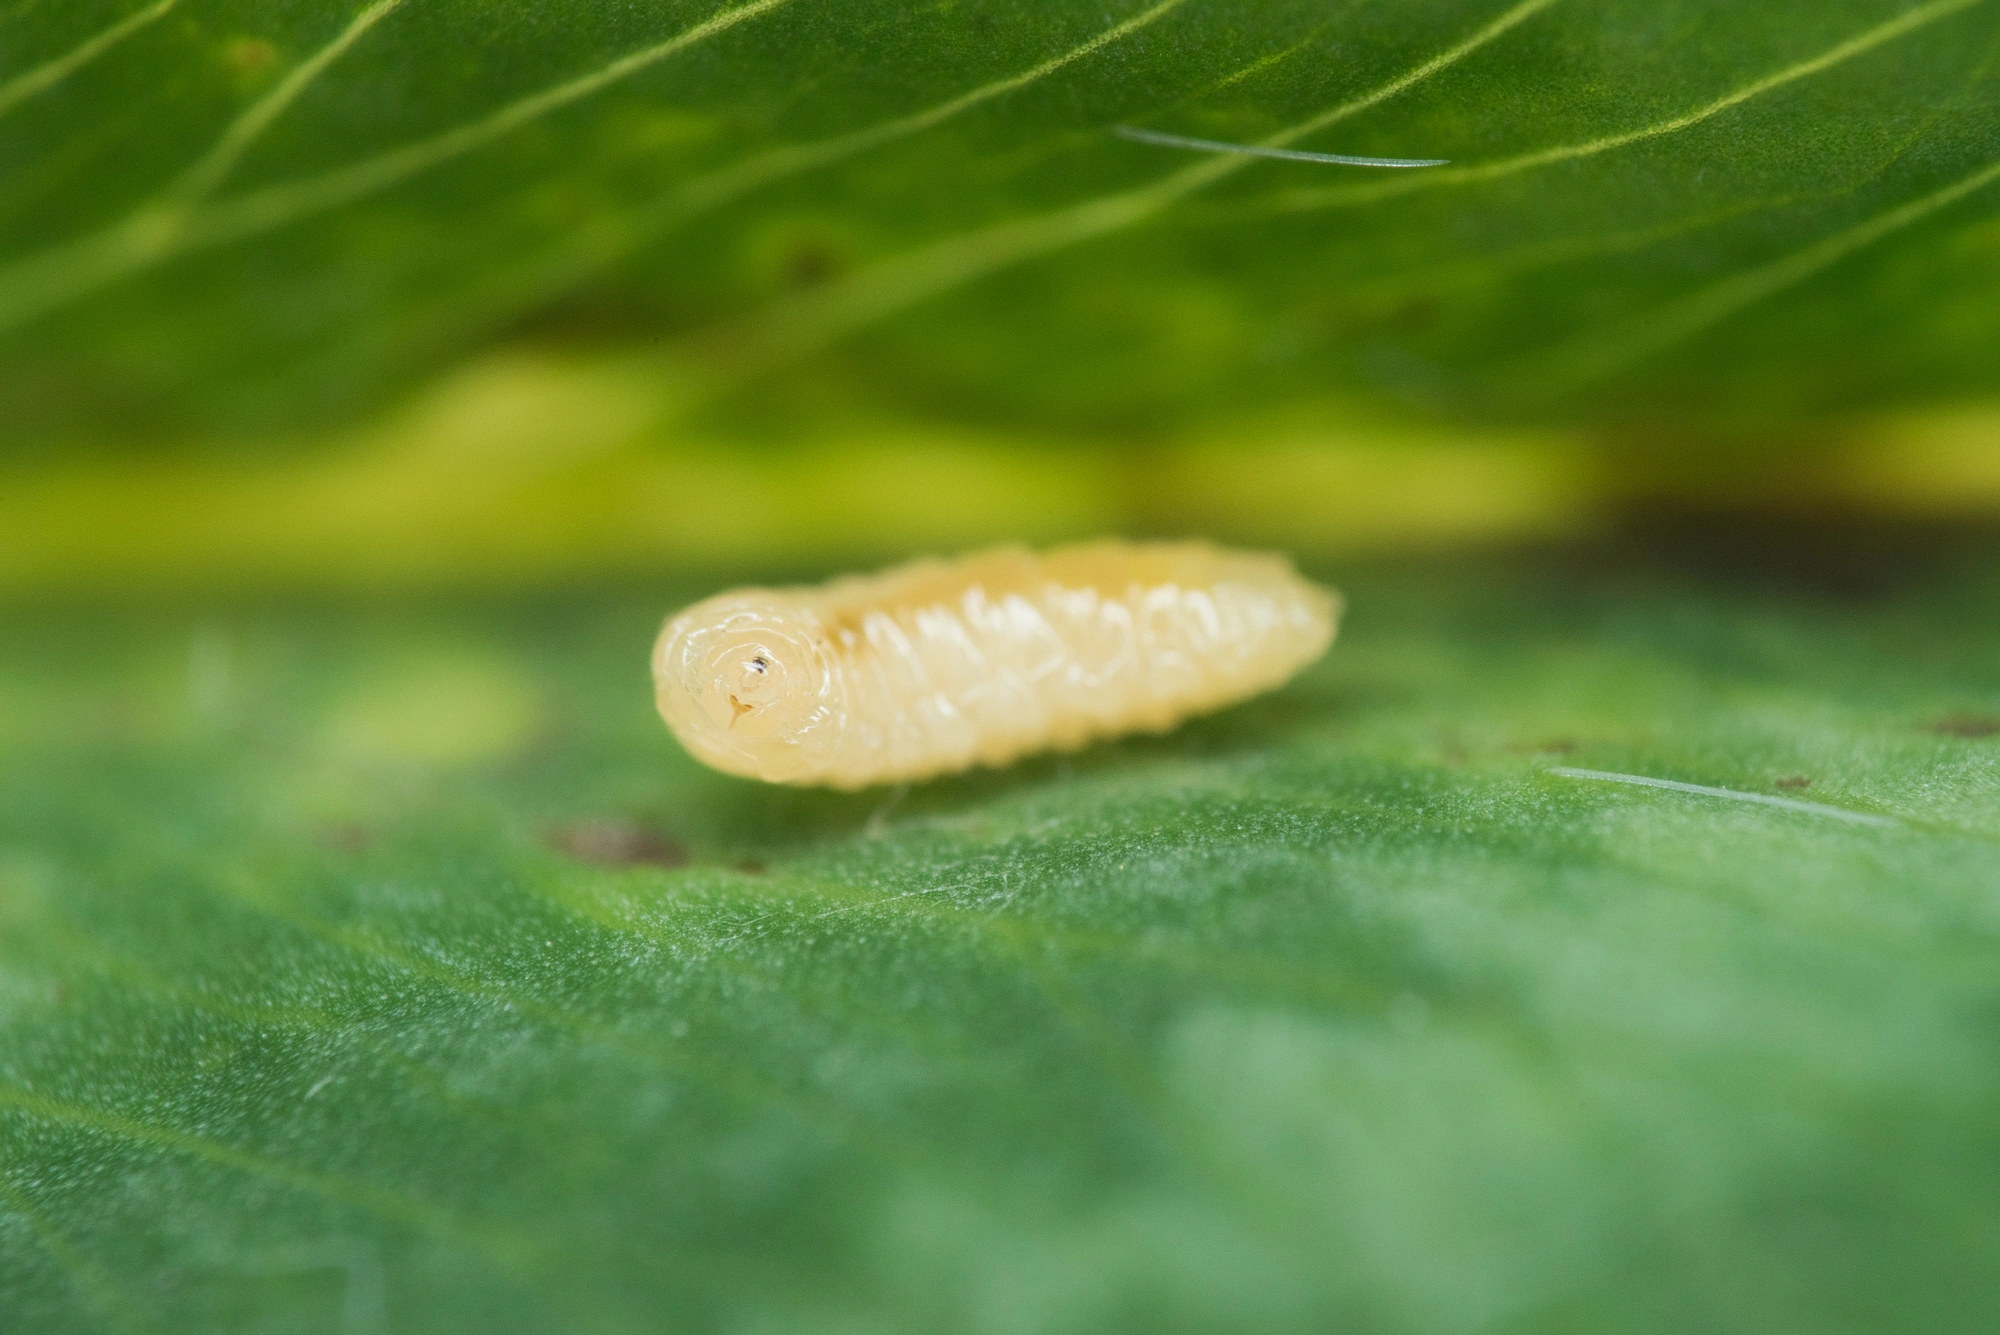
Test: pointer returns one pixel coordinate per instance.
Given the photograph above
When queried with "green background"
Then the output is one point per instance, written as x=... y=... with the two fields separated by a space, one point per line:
x=375 y=379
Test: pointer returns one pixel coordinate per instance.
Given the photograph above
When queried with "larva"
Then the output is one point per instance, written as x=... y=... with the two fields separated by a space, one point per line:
x=938 y=666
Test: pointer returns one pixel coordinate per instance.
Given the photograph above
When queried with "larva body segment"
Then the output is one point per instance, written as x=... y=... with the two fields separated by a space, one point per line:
x=938 y=666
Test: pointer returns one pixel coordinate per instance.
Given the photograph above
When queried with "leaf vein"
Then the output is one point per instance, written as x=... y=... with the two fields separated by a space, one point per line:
x=1597 y=355
x=89 y=1279
x=592 y=252
x=361 y=1195
x=1299 y=201
x=215 y=165
x=39 y=80
x=42 y=282
x=802 y=325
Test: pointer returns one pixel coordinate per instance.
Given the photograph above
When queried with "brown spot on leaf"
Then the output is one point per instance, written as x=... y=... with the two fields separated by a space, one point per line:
x=812 y=263
x=1795 y=781
x=617 y=843
x=1417 y=315
x=1968 y=725
x=249 y=57
x=347 y=836
x=1548 y=746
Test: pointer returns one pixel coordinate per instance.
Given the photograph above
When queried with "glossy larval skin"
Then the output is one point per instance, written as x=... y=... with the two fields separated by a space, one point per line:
x=938 y=666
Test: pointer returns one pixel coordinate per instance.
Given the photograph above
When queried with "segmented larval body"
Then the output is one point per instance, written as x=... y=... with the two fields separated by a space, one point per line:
x=937 y=666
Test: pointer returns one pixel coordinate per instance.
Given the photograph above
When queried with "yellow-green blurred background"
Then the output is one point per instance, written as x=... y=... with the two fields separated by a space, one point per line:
x=521 y=469
x=524 y=467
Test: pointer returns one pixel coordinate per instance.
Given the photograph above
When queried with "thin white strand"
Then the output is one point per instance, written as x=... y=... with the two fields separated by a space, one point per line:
x=1731 y=794
x=1260 y=151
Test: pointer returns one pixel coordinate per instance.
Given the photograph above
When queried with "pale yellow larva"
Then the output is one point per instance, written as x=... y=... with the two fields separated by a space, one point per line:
x=938 y=666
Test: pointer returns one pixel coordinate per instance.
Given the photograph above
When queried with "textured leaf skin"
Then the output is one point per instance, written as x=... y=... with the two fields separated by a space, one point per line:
x=388 y=969
x=1699 y=213
x=385 y=968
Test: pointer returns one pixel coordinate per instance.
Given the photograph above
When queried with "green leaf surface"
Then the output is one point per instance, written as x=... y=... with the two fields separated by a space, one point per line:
x=386 y=968
x=247 y=218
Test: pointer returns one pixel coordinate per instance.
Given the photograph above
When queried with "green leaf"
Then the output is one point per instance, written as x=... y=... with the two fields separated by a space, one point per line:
x=1593 y=942
x=221 y=216
x=386 y=968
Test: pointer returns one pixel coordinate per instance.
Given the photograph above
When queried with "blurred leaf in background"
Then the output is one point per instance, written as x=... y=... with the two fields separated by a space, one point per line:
x=374 y=376
x=327 y=274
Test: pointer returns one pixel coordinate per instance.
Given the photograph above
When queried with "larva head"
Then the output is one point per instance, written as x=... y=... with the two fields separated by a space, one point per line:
x=746 y=684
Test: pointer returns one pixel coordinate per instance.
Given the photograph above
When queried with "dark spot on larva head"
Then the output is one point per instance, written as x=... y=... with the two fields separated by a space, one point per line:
x=751 y=866
x=1795 y=781
x=754 y=685
x=1968 y=725
x=617 y=843
x=740 y=681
